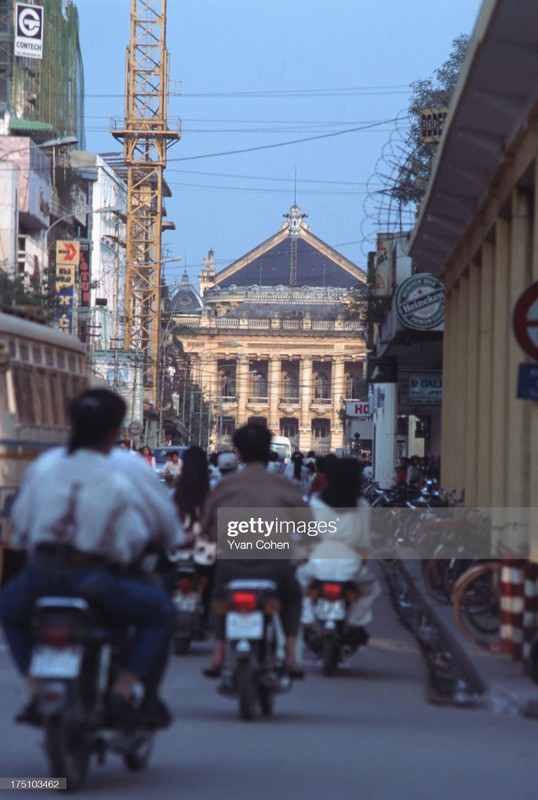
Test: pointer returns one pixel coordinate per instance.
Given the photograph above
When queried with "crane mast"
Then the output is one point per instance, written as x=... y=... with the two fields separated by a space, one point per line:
x=146 y=138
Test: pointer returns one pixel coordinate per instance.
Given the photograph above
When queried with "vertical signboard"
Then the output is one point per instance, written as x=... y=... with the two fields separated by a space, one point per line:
x=84 y=274
x=383 y=264
x=67 y=260
x=28 y=31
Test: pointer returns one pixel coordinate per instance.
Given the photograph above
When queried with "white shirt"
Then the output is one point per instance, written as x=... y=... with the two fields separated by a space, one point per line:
x=338 y=555
x=94 y=502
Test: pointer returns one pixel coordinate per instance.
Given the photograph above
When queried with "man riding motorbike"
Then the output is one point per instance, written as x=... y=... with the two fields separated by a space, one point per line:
x=255 y=487
x=82 y=521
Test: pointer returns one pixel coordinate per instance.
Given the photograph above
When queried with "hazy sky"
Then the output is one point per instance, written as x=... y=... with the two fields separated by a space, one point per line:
x=261 y=73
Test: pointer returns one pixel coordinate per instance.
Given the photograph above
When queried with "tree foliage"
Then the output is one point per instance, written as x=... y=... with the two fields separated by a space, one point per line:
x=414 y=172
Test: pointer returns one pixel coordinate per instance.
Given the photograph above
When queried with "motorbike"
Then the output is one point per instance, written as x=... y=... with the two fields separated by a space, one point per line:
x=253 y=670
x=187 y=599
x=189 y=587
x=75 y=658
x=328 y=637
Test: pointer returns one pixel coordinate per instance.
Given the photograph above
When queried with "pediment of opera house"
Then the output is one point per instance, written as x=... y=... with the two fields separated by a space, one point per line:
x=292 y=258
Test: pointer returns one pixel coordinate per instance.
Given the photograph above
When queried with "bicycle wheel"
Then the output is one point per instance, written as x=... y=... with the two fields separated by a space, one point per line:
x=433 y=570
x=477 y=604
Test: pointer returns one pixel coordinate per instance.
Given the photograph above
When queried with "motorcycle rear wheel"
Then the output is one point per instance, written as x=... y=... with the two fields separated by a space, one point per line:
x=68 y=747
x=329 y=655
x=246 y=690
x=267 y=701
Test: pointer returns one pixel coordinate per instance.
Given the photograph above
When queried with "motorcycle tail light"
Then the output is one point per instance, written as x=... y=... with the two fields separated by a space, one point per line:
x=332 y=591
x=244 y=601
x=58 y=634
x=186 y=585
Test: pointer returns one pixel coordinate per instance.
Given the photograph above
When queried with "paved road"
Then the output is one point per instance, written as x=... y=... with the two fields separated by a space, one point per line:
x=366 y=733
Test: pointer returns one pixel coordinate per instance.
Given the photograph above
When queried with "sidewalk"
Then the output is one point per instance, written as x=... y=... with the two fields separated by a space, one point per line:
x=496 y=681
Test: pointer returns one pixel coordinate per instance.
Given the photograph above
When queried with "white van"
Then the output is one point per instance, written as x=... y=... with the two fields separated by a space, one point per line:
x=284 y=446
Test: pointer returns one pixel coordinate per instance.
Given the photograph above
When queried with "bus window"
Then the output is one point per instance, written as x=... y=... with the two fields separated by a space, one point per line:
x=24 y=394
x=54 y=391
x=49 y=358
x=37 y=355
x=44 y=410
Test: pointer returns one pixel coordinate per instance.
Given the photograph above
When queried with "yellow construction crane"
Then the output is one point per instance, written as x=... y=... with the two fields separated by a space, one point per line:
x=146 y=138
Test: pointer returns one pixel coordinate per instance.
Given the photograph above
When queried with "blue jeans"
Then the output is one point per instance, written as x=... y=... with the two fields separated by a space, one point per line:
x=122 y=601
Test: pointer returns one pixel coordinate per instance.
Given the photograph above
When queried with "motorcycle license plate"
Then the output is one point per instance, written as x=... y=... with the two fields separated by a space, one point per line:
x=244 y=626
x=330 y=609
x=184 y=602
x=53 y=662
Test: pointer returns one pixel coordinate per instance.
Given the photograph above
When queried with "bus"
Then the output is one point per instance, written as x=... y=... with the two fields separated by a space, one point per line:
x=41 y=370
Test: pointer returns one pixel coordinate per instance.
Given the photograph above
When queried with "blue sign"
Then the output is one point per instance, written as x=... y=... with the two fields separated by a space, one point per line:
x=527 y=382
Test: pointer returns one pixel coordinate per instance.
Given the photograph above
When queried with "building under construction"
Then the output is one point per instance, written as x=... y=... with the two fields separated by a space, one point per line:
x=43 y=96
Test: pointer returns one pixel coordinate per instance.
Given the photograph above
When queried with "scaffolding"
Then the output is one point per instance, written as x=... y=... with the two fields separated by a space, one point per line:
x=48 y=92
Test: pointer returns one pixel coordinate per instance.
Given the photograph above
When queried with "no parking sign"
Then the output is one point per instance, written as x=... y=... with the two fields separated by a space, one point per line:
x=525 y=321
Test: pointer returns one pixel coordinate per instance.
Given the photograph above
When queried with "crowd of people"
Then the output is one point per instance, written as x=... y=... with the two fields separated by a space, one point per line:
x=415 y=470
x=87 y=513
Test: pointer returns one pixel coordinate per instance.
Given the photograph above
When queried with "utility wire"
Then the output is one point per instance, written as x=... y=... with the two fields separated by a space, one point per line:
x=284 y=144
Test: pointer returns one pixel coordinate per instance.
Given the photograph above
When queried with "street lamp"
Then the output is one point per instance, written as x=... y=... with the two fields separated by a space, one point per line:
x=104 y=210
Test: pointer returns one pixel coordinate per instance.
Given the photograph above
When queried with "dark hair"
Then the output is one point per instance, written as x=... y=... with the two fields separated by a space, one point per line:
x=93 y=415
x=253 y=443
x=297 y=461
x=193 y=484
x=343 y=482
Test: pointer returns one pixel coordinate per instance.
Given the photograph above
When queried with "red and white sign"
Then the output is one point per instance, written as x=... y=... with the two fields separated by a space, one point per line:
x=360 y=409
x=525 y=321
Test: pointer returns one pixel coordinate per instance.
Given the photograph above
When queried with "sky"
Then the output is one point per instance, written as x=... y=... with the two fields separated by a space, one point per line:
x=313 y=93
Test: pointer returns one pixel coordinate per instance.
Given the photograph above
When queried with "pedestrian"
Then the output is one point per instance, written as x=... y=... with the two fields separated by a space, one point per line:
x=147 y=456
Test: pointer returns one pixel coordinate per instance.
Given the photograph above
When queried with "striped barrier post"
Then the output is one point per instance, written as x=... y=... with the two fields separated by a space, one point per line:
x=512 y=607
x=530 y=611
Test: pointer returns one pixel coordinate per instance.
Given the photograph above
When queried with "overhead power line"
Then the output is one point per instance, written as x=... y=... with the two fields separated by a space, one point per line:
x=285 y=144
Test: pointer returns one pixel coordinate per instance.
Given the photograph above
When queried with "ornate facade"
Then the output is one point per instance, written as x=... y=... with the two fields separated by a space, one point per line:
x=273 y=339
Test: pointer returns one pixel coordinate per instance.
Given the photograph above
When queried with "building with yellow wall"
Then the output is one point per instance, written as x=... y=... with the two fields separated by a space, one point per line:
x=478 y=230
x=273 y=341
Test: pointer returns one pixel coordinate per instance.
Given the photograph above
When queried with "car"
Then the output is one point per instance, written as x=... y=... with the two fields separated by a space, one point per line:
x=160 y=453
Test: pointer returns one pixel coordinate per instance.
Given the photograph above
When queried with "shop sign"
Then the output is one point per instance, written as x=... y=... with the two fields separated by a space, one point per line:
x=432 y=122
x=420 y=302
x=360 y=409
x=425 y=386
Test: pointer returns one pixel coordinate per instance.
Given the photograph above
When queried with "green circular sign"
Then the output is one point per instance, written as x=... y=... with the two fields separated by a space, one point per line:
x=420 y=302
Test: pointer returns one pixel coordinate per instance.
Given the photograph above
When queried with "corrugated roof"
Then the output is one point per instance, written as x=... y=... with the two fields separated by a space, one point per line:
x=30 y=125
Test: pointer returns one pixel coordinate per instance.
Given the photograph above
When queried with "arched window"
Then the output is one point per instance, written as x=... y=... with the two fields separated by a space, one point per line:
x=227 y=382
x=289 y=427
x=321 y=436
x=290 y=385
x=322 y=385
